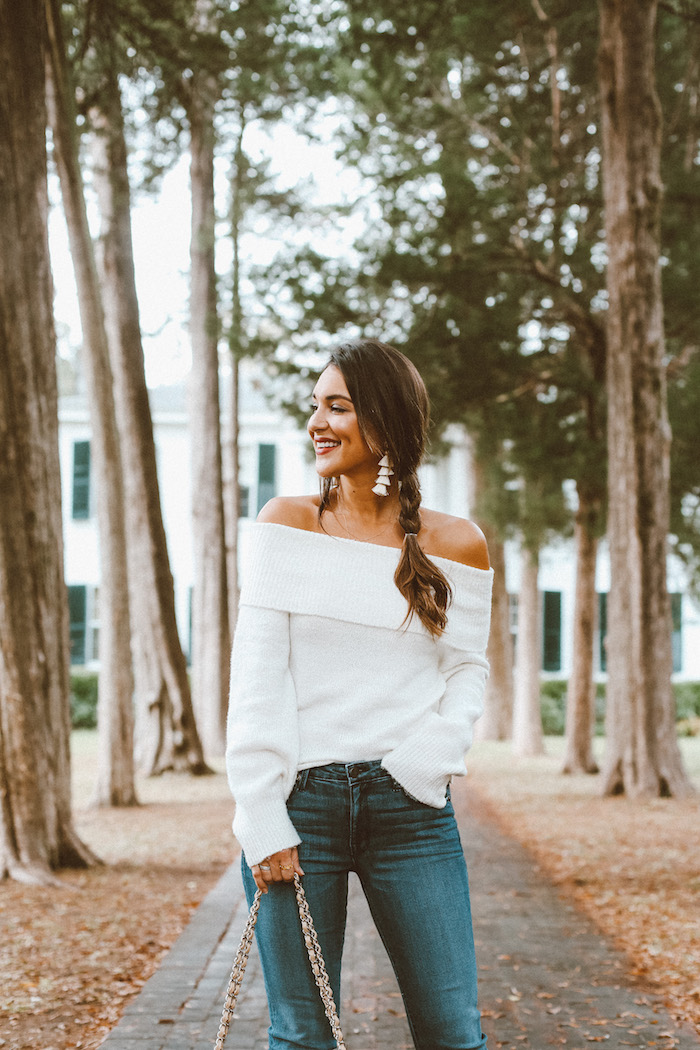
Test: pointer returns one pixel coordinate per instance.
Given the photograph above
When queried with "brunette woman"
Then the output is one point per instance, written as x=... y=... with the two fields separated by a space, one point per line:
x=358 y=671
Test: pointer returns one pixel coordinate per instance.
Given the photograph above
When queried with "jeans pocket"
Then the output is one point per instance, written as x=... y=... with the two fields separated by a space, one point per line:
x=300 y=782
x=400 y=789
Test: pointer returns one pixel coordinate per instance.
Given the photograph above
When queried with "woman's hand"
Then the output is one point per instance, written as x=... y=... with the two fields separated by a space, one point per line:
x=280 y=867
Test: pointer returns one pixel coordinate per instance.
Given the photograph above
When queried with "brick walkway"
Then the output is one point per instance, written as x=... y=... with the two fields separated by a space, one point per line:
x=547 y=978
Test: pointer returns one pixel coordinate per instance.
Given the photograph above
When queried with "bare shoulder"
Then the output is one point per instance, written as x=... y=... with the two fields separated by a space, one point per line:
x=298 y=512
x=457 y=539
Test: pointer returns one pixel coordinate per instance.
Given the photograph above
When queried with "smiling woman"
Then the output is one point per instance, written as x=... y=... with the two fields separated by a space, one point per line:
x=340 y=447
x=358 y=671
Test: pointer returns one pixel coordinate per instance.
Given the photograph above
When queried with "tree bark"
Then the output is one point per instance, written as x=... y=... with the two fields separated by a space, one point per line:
x=36 y=830
x=642 y=757
x=210 y=614
x=233 y=497
x=580 y=698
x=115 y=720
x=527 y=718
x=166 y=734
x=497 y=719
x=232 y=500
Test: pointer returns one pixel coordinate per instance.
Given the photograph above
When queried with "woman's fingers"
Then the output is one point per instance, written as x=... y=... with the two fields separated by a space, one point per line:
x=298 y=870
x=287 y=864
x=262 y=873
x=279 y=867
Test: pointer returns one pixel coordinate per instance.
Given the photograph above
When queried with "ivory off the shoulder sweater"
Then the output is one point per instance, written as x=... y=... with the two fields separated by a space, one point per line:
x=325 y=670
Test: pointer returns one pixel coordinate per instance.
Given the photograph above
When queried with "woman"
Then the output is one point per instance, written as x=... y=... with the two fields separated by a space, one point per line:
x=358 y=670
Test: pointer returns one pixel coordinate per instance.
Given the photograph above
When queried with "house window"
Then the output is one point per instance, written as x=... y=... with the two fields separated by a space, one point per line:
x=513 y=615
x=676 y=631
x=83 y=609
x=603 y=631
x=551 y=633
x=92 y=644
x=266 y=474
x=81 y=480
x=77 y=607
x=243 y=501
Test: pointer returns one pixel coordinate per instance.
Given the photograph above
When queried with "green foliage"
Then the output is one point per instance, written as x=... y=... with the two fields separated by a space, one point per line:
x=553 y=707
x=83 y=701
x=478 y=137
x=480 y=255
x=687 y=701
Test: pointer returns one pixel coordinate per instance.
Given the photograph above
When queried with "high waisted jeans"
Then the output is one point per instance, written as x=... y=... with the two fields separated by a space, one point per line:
x=409 y=859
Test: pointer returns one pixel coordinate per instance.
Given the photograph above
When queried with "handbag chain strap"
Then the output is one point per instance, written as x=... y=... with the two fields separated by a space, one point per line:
x=313 y=949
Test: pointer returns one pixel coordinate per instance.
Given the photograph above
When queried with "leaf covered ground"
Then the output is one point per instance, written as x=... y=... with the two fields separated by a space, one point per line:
x=633 y=866
x=70 y=958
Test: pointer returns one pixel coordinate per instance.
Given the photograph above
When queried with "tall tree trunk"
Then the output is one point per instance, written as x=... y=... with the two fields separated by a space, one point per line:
x=166 y=734
x=527 y=717
x=497 y=720
x=115 y=722
x=36 y=830
x=580 y=699
x=643 y=757
x=210 y=614
x=232 y=495
x=233 y=499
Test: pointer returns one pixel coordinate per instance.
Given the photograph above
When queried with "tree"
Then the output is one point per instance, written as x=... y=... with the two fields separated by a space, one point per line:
x=166 y=734
x=482 y=135
x=232 y=504
x=642 y=756
x=208 y=65
x=211 y=643
x=496 y=723
x=580 y=694
x=115 y=777
x=527 y=720
x=36 y=830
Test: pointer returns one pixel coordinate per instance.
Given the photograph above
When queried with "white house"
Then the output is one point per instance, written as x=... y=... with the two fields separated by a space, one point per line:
x=275 y=460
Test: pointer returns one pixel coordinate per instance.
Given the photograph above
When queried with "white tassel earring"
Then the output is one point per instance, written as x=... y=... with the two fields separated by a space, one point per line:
x=384 y=477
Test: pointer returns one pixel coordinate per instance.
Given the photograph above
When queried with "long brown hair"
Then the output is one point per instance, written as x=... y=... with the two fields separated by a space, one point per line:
x=393 y=413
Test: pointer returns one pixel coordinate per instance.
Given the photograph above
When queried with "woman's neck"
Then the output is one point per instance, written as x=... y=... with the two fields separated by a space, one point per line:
x=359 y=513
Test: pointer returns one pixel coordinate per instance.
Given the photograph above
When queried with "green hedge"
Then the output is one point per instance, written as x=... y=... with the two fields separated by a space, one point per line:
x=553 y=707
x=83 y=701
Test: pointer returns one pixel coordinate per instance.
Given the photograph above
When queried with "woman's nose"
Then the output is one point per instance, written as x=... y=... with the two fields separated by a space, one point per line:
x=316 y=422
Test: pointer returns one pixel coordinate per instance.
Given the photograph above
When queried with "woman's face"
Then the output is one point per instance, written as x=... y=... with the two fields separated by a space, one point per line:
x=340 y=447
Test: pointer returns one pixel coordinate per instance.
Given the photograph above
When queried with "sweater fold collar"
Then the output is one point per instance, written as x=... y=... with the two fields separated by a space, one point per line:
x=315 y=574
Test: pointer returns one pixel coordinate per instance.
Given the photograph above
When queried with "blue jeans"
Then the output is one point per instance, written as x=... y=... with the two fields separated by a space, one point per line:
x=409 y=859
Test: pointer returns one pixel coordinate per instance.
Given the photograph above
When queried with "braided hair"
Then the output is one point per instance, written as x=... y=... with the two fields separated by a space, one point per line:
x=393 y=413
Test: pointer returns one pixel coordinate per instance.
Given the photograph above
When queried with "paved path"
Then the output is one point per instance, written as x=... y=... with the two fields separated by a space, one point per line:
x=547 y=978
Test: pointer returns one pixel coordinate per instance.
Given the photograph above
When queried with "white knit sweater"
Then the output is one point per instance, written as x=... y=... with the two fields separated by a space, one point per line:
x=324 y=670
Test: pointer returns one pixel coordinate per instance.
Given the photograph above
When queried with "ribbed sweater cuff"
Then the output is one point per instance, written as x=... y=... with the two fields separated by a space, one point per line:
x=263 y=828
x=423 y=768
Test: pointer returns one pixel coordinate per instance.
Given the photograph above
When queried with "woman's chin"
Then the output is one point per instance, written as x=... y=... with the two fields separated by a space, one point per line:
x=324 y=471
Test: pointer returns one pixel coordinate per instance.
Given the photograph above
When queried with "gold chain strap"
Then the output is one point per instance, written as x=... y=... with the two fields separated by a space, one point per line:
x=315 y=958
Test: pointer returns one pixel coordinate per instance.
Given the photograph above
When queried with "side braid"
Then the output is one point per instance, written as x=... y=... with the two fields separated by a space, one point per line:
x=421 y=582
x=326 y=486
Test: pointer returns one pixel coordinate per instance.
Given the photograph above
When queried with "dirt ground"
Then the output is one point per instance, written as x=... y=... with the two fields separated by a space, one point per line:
x=70 y=958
